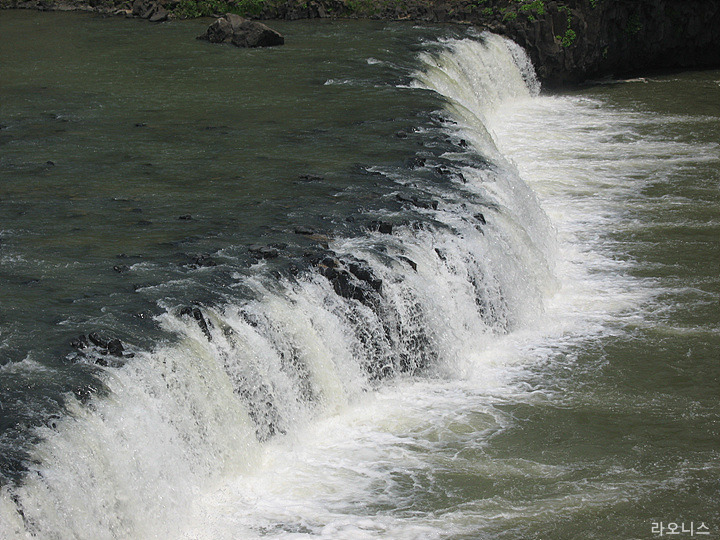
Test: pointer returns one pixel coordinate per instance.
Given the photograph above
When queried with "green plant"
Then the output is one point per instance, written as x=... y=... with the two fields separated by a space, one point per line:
x=567 y=39
x=510 y=16
x=536 y=7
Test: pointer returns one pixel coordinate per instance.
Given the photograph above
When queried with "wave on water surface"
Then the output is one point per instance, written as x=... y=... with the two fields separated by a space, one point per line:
x=415 y=302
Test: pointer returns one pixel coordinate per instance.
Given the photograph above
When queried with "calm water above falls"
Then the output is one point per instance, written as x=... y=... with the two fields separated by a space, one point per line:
x=531 y=352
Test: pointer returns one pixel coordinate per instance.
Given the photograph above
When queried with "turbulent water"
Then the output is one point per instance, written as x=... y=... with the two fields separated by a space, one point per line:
x=371 y=284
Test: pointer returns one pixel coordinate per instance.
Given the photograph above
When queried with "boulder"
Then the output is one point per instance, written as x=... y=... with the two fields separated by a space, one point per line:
x=241 y=32
x=149 y=9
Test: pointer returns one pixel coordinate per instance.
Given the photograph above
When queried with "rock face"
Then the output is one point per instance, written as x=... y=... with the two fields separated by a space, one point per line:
x=576 y=40
x=241 y=32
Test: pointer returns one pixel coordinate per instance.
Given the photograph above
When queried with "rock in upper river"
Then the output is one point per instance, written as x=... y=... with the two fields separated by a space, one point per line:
x=150 y=9
x=241 y=32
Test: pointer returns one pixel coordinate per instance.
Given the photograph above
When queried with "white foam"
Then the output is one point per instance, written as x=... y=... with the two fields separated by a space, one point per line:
x=172 y=453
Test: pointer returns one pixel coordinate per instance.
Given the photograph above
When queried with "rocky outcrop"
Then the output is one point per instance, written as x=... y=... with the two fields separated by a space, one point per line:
x=569 y=41
x=241 y=32
x=572 y=41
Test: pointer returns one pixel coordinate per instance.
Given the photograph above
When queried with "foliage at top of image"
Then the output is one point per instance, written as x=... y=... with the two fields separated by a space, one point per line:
x=190 y=9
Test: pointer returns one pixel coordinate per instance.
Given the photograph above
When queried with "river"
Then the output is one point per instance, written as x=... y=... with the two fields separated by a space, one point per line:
x=371 y=284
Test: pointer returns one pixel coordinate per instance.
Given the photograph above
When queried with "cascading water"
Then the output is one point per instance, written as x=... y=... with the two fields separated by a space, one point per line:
x=420 y=297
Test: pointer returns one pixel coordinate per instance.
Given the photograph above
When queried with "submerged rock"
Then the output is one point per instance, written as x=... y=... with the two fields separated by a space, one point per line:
x=383 y=227
x=419 y=203
x=202 y=261
x=94 y=347
x=241 y=32
x=263 y=252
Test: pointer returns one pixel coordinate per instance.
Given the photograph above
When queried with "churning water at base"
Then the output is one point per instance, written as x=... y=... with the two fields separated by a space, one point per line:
x=422 y=378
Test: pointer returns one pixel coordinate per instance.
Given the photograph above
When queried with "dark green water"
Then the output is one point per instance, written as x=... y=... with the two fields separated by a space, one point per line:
x=113 y=130
x=512 y=378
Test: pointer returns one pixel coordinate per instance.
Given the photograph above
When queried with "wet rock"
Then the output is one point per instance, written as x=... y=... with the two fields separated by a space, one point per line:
x=364 y=273
x=96 y=340
x=480 y=218
x=415 y=163
x=354 y=281
x=185 y=217
x=311 y=178
x=405 y=259
x=401 y=135
x=80 y=342
x=196 y=314
x=121 y=268
x=305 y=231
x=415 y=201
x=383 y=227
x=241 y=32
x=115 y=347
x=86 y=345
x=264 y=252
x=203 y=261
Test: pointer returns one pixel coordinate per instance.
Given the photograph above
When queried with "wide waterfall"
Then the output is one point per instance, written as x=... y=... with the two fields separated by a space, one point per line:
x=370 y=375
x=419 y=297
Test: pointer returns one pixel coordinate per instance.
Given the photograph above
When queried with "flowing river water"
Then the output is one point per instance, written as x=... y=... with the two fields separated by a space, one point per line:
x=370 y=284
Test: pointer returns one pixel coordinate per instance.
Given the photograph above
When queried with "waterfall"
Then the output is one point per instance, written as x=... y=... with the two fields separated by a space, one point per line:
x=468 y=263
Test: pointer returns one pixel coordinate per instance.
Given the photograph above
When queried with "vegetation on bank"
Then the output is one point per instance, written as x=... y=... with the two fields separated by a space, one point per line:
x=446 y=10
x=458 y=10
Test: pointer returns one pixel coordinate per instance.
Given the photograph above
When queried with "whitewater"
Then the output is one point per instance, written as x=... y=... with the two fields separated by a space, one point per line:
x=363 y=396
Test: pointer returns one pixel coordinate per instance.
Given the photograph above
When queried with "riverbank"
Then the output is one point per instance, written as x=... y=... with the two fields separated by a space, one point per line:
x=569 y=41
